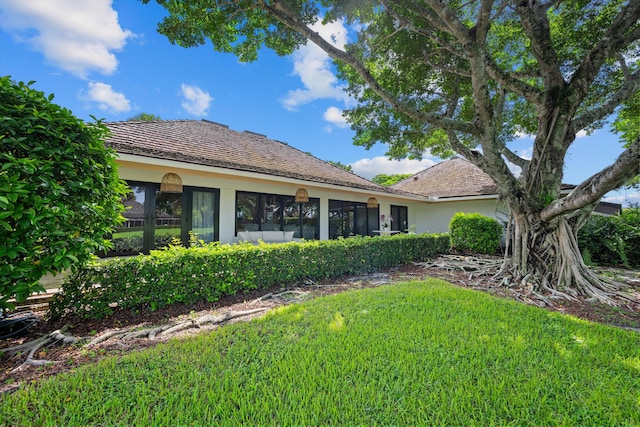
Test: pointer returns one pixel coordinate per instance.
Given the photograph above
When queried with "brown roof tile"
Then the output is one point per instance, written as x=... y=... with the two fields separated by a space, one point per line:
x=452 y=178
x=212 y=144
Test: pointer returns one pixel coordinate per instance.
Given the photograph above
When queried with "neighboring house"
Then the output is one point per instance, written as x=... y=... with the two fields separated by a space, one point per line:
x=457 y=185
x=202 y=177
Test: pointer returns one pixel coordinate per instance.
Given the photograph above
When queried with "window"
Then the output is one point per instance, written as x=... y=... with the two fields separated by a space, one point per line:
x=154 y=218
x=269 y=212
x=400 y=218
x=351 y=218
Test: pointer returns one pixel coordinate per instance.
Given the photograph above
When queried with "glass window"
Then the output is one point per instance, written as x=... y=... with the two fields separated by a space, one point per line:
x=310 y=213
x=168 y=218
x=128 y=237
x=351 y=218
x=247 y=217
x=400 y=218
x=269 y=212
x=203 y=215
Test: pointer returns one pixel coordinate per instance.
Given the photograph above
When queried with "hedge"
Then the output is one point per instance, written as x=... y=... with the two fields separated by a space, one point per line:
x=210 y=271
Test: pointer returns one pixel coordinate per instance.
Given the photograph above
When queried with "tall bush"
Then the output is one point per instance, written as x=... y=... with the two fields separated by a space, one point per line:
x=59 y=190
x=475 y=233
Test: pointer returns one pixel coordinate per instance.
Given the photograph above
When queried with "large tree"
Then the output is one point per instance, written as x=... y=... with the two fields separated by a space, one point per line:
x=467 y=77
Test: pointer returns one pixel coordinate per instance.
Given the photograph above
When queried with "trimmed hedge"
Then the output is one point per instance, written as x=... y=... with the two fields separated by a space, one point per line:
x=475 y=233
x=210 y=271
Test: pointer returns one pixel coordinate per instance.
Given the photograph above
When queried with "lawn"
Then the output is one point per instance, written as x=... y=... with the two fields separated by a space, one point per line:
x=418 y=353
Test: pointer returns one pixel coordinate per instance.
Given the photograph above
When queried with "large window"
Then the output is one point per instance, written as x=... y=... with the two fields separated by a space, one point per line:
x=351 y=218
x=154 y=218
x=272 y=212
x=400 y=218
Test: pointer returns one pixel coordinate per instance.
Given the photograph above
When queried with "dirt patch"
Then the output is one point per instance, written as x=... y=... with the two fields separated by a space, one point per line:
x=64 y=358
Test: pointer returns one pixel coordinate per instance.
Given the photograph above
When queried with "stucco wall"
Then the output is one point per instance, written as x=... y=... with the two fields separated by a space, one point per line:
x=229 y=184
x=434 y=217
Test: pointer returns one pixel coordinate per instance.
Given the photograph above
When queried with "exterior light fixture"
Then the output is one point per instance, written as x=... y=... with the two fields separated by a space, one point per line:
x=171 y=183
x=302 y=196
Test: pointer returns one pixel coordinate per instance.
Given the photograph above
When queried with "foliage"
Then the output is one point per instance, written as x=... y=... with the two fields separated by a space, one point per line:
x=144 y=117
x=206 y=272
x=416 y=354
x=59 y=190
x=612 y=240
x=389 y=180
x=348 y=168
x=474 y=232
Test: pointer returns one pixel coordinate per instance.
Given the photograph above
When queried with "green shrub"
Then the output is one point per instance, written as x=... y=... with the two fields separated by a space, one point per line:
x=59 y=190
x=475 y=233
x=209 y=271
x=612 y=240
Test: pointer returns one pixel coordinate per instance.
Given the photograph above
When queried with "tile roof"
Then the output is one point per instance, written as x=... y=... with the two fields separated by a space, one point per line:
x=452 y=178
x=213 y=144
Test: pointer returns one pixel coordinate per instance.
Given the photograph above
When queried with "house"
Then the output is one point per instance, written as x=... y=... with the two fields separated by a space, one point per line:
x=458 y=185
x=202 y=177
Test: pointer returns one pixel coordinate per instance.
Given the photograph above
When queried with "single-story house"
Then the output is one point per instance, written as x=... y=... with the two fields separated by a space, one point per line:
x=200 y=178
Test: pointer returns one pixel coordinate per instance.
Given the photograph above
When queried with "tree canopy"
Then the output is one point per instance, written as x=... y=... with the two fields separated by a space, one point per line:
x=341 y=165
x=144 y=117
x=467 y=77
x=389 y=180
x=60 y=195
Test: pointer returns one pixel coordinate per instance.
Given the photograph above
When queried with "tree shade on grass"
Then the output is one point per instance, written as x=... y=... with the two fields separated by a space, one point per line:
x=420 y=353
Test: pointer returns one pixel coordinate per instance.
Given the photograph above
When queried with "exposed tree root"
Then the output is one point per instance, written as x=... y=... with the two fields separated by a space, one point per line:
x=171 y=329
x=56 y=336
x=122 y=335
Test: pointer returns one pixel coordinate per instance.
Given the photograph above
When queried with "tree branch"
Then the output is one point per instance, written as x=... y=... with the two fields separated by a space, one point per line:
x=628 y=89
x=626 y=166
x=616 y=37
x=535 y=23
x=289 y=18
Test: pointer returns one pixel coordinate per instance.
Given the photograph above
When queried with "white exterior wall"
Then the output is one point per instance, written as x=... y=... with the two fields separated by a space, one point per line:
x=428 y=216
x=229 y=182
x=436 y=216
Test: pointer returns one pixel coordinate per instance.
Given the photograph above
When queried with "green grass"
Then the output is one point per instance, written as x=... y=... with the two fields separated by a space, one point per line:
x=420 y=353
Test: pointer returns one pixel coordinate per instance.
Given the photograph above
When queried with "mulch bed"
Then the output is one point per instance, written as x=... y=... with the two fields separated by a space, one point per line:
x=13 y=375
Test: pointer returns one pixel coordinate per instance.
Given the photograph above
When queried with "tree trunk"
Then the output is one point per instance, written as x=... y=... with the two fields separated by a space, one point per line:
x=545 y=257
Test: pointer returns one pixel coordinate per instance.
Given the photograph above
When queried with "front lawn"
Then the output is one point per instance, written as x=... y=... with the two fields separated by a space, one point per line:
x=419 y=353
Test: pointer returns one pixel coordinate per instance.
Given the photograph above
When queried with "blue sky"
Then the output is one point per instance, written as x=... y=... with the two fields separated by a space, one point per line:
x=104 y=58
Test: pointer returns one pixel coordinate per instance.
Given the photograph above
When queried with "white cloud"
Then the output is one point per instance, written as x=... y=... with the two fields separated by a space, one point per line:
x=107 y=98
x=582 y=133
x=522 y=135
x=625 y=197
x=368 y=168
x=334 y=116
x=313 y=66
x=77 y=36
x=196 y=101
